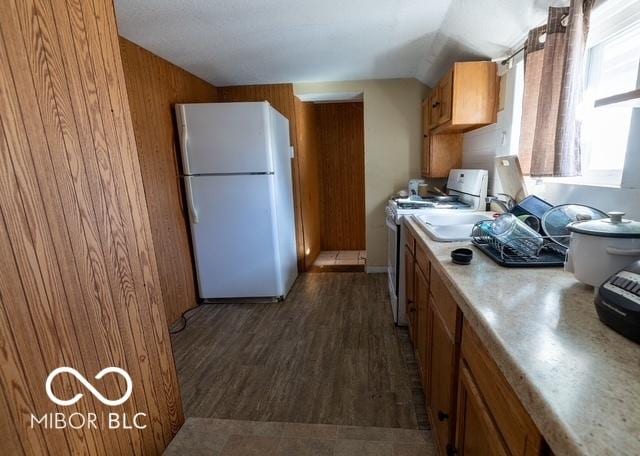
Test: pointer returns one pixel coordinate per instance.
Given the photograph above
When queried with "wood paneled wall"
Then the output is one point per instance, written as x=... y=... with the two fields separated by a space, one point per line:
x=154 y=87
x=309 y=188
x=281 y=97
x=340 y=130
x=79 y=284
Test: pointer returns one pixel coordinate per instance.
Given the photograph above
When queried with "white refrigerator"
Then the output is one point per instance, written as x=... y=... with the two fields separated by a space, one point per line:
x=236 y=163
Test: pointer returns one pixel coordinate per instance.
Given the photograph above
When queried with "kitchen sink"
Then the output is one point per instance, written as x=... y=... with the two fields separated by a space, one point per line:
x=451 y=226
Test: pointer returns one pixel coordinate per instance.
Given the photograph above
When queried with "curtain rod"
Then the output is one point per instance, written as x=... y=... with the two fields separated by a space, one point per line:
x=508 y=59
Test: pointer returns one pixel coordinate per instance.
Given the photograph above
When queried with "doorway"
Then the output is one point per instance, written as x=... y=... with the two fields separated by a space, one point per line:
x=340 y=130
x=333 y=183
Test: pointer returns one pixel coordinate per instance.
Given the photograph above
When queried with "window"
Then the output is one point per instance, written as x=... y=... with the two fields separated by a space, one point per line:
x=613 y=63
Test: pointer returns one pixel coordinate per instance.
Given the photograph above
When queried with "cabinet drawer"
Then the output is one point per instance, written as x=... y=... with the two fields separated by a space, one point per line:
x=518 y=431
x=444 y=303
x=422 y=260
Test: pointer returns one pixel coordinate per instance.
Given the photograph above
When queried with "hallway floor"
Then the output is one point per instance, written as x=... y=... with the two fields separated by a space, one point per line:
x=340 y=261
x=341 y=257
x=328 y=354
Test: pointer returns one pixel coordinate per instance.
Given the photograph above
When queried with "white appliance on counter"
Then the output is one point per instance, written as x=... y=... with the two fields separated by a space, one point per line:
x=471 y=187
x=236 y=163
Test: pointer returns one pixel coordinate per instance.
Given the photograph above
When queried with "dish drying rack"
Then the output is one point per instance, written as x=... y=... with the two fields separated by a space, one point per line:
x=507 y=254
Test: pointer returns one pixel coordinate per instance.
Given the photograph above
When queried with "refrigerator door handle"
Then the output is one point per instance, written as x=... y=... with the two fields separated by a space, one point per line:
x=184 y=139
x=193 y=213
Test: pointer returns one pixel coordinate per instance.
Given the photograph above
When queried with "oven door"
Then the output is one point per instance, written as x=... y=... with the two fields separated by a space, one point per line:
x=393 y=248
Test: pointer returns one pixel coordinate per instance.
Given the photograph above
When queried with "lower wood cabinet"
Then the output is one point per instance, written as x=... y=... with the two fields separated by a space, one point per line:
x=476 y=433
x=422 y=346
x=409 y=287
x=488 y=399
x=445 y=324
x=472 y=409
x=442 y=392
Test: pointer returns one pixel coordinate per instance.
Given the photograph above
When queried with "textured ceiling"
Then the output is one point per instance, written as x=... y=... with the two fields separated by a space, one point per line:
x=229 y=42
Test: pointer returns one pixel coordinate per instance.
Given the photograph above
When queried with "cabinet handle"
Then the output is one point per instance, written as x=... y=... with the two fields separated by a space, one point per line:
x=451 y=451
x=436 y=104
x=442 y=416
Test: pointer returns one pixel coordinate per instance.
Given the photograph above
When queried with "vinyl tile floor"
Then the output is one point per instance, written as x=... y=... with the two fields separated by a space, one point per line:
x=329 y=354
x=211 y=436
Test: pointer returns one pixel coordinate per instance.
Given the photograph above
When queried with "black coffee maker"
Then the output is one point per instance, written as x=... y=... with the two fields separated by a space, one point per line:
x=618 y=302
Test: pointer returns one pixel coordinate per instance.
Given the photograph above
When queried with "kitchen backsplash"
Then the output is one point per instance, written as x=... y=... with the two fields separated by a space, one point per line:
x=604 y=198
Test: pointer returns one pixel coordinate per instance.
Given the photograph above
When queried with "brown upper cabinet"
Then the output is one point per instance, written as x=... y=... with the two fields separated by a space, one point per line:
x=432 y=110
x=465 y=98
x=441 y=154
x=445 y=98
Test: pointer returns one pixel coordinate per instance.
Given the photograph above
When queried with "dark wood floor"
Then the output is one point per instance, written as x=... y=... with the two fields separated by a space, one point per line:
x=329 y=353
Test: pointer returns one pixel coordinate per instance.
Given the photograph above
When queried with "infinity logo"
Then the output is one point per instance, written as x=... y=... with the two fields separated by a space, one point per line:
x=108 y=370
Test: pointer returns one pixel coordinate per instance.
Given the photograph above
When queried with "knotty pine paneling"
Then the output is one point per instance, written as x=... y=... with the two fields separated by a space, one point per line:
x=309 y=188
x=281 y=97
x=154 y=86
x=79 y=284
x=340 y=130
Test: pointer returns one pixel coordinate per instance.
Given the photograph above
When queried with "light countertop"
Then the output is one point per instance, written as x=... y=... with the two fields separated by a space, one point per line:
x=578 y=379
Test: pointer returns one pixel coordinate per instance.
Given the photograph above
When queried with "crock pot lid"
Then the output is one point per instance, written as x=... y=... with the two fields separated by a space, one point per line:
x=556 y=221
x=614 y=226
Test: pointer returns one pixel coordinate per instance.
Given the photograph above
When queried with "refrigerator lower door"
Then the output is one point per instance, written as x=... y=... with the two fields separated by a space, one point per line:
x=284 y=199
x=234 y=235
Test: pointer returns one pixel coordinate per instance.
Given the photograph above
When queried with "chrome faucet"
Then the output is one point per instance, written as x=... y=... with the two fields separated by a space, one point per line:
x=506 y=205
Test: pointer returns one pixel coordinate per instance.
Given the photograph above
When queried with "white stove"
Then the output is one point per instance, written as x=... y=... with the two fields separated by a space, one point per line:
x=417 y=202
x=469 y=185
x=414 y=205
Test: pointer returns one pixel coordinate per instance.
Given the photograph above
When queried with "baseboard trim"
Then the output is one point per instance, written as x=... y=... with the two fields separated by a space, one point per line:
x=337 y=268
x=376 y=269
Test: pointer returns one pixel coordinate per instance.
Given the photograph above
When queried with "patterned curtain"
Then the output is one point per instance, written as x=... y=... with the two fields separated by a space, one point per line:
x=554 y=64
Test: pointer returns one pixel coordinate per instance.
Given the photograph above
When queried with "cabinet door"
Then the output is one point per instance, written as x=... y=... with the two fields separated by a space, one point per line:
x=516 y=428
x=426 y=156
x=445 y=154
x=409 y=276
x=421 y=292
x=426 y=111
x=434 y=114
x=442 y=370
x=445 y=93
x=476 y=434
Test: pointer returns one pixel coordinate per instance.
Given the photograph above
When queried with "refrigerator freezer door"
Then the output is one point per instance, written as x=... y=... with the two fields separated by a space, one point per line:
x=234 y=239
x=224 y=138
